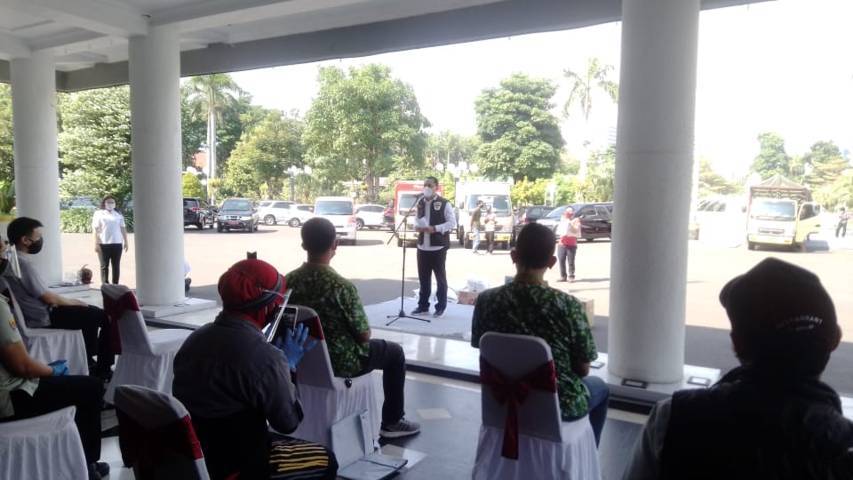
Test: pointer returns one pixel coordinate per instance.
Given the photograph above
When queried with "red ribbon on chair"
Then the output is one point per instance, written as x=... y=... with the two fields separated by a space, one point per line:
x=144 y=448
x=114 y=310
x=513 y=393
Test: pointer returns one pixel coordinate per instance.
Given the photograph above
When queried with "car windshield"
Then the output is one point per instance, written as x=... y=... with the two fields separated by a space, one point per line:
x=773 y=209
x=333 y=207
x=556 y=213
x=406 y=201
x=242 y=205
x=500 y=203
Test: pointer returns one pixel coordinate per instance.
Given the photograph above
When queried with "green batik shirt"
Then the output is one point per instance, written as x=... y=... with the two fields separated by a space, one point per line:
x=336 y=301
x=547 y=313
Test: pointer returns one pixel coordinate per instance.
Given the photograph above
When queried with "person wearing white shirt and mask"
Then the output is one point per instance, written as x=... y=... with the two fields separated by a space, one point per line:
x=434 y=222
x=110 y=238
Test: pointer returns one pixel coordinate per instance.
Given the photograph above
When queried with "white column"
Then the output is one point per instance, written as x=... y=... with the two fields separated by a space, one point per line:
x=156 y=154
x=36 y=154
x=654 y=162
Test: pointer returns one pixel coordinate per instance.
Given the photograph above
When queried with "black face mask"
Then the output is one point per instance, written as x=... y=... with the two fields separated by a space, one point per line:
x=36 y=246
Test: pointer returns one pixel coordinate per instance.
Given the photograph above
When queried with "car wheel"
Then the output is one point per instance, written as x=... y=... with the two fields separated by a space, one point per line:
x=399 y=243
x=468 y=243
x=200 y=224
x=294 y=222
x=751 y=246
x=588 y=239
x=359 y=224
x=460 y=234
x=269 y=220
x=219 y=228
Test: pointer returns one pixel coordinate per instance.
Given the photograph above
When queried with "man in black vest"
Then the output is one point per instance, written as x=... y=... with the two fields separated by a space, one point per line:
x=435 y=220
x=771 y=417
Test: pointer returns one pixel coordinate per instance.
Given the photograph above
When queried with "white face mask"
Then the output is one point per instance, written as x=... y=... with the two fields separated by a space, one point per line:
x=110 y=206
x=428 y=192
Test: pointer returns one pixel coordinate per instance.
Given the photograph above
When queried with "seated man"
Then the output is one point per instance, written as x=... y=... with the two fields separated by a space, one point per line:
x=43 y=308
x=29 y=388
x=234 y=383
x=352 y=352
x=527 y=306
x=771 y=417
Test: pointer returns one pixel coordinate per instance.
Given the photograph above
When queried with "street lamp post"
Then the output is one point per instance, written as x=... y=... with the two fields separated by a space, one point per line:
x=293 y=171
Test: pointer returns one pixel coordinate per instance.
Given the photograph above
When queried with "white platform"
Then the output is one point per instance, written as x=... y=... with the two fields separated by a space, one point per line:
x=186 y=306
x=455 y=323
x=65 y=289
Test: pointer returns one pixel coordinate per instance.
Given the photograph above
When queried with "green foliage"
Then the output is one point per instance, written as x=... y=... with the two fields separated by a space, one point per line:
x=527 y=192
x=520 y=137
x=94 y=144
x=582 y=86
x=7 y=196
x=570 y=189
x=448 y=148
x=215 y=99
x=362 y=125
x=192 y=186
x=772 y=158
x=259 y=163
x=826 y=164
x=7 y=162
x=839 y=193
x=712 y=183
x=600 y=180
x=76 y=220
x=193 y=128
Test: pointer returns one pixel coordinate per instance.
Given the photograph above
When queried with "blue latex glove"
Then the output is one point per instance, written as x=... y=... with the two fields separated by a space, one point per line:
x=294 y=344
x=59 y=367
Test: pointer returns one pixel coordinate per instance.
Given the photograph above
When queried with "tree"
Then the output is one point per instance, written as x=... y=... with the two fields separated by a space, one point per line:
x=446 y=148
x=259 y=163
x=193 y=127
x=7 y=157
x=599 y=184
x=192 y=186
x=582 y=89
x=210 y=95
x=826 y=164
x=520 y=137
x=527 y=192
x=772 y=158
x=838 y=193
x=94 y=143
x=712 y=183
x=362 y=125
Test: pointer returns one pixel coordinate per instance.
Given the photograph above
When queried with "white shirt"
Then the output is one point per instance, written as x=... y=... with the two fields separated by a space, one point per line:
x=448 y=226
x=108 y=224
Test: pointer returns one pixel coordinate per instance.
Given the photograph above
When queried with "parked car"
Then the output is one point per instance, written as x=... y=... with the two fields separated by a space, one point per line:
x=596 y=219
x=531 y=214
x=299 y=214
x=272 y=212
x=370 y=216
x=340 y=211
x=239 y=214
x=85 y=203
x=197 y=212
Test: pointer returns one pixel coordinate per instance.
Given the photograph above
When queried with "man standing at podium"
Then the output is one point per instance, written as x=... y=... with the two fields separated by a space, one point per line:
x=434 y=222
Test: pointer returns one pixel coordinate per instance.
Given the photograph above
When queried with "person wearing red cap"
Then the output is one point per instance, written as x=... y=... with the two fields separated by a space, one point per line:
x=234 y=384
x=771 y=417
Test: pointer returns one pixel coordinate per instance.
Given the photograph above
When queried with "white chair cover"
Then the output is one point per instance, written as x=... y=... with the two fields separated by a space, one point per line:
x=156 y=435
x=327 y=399
x=49 y=344
x=47 y=447
x=146 y=358
x=547 y=446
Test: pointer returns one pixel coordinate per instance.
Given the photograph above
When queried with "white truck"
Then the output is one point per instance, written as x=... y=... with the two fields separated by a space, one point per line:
x=781 y=213
x=492 y=194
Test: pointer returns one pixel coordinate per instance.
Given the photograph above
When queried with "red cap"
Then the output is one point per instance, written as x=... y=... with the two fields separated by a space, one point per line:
x=247 y=281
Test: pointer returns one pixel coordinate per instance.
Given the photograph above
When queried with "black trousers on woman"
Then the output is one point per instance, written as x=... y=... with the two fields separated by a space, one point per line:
x=110 y=254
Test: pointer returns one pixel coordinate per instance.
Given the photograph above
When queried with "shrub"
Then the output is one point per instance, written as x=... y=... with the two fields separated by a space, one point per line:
x=76 y=220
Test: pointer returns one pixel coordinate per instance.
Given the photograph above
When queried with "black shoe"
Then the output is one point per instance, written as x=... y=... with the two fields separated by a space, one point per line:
x=98 y=470
x=420 y=311
x=438 y=313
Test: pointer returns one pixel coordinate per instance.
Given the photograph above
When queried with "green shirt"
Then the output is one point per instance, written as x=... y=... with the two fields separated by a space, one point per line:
x=547 y=313
x=9 y=335
x=341 y=314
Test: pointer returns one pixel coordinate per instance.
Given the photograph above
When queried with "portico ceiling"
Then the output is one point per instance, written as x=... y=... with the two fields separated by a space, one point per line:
x=89 y=37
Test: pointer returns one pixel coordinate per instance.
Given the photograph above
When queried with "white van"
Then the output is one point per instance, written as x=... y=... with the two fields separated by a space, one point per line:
x=341 y=212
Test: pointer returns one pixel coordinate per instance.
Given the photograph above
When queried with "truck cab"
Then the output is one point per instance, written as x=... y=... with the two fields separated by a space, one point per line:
x=781 y=213
x=493 y=194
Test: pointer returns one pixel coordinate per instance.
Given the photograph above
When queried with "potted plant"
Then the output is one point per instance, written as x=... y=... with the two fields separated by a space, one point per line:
x=7 y=203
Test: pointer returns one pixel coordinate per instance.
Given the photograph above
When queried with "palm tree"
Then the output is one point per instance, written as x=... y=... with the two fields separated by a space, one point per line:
x=210 y=95
x=582 y=89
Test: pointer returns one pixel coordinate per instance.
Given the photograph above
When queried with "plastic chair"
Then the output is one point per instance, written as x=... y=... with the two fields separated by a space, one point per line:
x=325 y=398
x=46 y=447
x=146 y=358
x=522 y=435
x=49 y=344
x=156 y=436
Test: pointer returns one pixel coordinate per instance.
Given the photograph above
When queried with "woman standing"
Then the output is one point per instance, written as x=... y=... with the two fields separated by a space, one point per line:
x=569 y=229
x=110 y=237
x=490 y=222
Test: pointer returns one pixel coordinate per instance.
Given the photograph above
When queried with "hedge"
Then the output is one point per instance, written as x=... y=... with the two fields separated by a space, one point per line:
x=79 y=220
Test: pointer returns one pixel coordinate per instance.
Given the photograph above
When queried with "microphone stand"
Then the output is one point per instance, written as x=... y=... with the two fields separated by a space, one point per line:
x=396 y=233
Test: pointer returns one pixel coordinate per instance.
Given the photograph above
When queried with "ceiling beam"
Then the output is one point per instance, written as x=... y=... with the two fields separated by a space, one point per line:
x=104 y=17
x=65 y=40
x=12 y=46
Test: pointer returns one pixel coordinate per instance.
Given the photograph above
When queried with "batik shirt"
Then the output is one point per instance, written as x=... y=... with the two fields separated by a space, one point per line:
x=341 y=314
x=547 y=313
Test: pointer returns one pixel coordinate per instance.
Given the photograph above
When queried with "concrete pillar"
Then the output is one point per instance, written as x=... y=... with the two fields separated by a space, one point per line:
x=36 y=154
x=156 y=154
x=654 y=163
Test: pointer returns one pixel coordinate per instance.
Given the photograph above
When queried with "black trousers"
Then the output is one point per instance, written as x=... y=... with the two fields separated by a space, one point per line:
x=430 y=262
x=110 y=253
x=86 y=394
x=89 y=320
x=388 y=357
x=566 y=253
x=841 y=229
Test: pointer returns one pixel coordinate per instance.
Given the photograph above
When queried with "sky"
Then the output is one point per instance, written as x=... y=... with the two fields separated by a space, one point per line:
x=783 y=66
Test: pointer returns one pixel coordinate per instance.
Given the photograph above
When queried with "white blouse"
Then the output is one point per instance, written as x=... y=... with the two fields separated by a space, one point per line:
x=108 y=226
